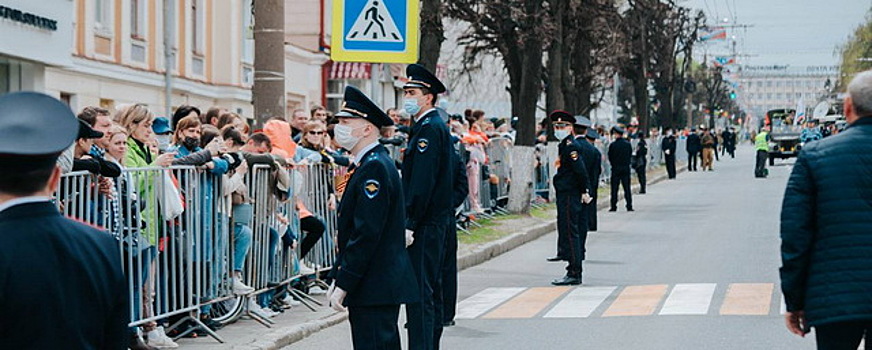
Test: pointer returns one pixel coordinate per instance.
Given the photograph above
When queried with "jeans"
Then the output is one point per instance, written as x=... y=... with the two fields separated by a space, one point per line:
x=241 y=244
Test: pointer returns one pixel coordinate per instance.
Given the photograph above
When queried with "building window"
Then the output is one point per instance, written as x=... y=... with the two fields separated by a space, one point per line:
x=138 y=19
x=247 y=75
x=769 y=96
x=103 y=16
x=769 y=83
x=248 y=31
x=336 y=91
x=198 y=27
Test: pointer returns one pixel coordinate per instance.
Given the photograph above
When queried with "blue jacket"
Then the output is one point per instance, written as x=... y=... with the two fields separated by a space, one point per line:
x=826 y=229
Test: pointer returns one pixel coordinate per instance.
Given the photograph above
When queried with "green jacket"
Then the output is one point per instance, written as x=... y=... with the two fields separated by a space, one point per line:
x=144 y=181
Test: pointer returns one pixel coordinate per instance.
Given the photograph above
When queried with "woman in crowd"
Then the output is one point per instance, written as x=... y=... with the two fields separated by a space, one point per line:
x=475 y=141
x=241 y=209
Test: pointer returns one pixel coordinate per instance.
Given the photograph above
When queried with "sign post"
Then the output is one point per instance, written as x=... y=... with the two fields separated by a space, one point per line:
x=376 y=31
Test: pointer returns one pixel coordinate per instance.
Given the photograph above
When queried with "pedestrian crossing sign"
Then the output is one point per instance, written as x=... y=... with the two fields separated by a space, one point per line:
x=377 y=31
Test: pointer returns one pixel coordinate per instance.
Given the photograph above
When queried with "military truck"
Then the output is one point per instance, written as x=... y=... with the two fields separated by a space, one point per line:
x=784 y=134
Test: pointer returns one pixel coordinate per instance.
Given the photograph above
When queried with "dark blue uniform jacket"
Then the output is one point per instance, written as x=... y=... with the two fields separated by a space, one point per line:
x=572 y=174
x=61 y=283
x=428 y=171
x=373 y=265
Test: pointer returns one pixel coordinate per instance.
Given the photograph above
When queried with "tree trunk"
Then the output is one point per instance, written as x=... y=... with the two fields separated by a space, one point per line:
x=554 y=98
x=521 y=191
x=268 y=92
x=432 y=33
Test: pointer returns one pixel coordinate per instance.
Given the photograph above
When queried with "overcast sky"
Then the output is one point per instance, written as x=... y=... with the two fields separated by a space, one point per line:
x=785 y=32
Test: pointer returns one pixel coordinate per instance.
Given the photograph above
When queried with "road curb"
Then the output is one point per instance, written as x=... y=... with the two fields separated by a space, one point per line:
x=283 y=337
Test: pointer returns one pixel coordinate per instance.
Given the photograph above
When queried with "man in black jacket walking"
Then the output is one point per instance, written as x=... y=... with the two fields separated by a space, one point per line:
x=694 y=146
x=620 y=153
x=668 y=146
x=826 y=231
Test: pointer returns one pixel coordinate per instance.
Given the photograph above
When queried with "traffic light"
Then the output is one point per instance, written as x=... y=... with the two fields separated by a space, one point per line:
x=732 y=95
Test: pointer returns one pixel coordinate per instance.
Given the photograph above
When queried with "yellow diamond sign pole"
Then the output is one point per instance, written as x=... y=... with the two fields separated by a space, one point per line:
x=376 y=31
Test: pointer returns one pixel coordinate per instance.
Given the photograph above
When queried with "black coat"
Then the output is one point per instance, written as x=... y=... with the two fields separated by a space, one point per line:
x=620 y=152
x=572 y=174
x=427 y=173
x=373 y=265
x=694 y=143
x=61 y=283
x=592 y=163
x=668 y=144
x=461 y=182
x=826 y=229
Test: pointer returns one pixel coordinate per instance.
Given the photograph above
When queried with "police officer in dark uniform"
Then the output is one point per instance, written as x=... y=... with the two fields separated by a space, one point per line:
x=592 y=136
x=571 y=185
x=620 y=153
x=373 y=272
x=640 y=155
x=54 y=272
x=448 y=293
x=668 y=145
x=592 y=163
x=428 y=172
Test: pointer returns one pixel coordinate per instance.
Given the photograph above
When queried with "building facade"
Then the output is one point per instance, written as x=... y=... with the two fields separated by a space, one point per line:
x=763 y=88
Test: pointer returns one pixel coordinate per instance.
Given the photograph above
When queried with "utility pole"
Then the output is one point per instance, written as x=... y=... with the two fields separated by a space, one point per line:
x=169 y=15
x=268 y=92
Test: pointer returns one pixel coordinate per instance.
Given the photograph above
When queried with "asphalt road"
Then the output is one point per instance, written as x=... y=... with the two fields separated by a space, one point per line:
x=695 y=267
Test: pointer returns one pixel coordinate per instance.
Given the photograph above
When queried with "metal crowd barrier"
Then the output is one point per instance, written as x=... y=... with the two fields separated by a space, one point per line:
x=178 y=252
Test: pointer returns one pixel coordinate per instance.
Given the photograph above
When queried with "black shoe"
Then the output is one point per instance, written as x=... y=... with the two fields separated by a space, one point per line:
x=567 y=281
x=449 y=323
x=556 y=258
x=642 y=192
x=613 y=209
x=630 y=209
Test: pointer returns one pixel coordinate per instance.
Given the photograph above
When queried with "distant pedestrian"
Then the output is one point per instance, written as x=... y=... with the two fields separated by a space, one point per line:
x=708 y=149
x=694 y=146
x=826 y=231
x=639 y=161
x=668 y=146
x=729 y=142
x=761 y=144
x=620 y=153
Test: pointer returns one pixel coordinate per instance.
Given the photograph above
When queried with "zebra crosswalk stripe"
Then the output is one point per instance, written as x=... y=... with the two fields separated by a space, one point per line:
x=581 y=302
x=689 y=299
x=485 y=300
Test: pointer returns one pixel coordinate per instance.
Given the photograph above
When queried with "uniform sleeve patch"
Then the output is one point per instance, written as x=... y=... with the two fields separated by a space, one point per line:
x=573 y=155
x=422 y=145
x=371 y=188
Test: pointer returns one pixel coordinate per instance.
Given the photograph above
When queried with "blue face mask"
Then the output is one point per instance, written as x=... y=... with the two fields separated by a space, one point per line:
x=410 y=105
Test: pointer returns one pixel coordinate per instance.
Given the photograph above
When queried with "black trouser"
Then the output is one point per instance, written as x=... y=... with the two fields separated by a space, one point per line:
x=843 y=335
x=621 y=179
x=717 y=158
x=732 y=151
x=591 y=211
x=374 y=327
x=425 y=318
x=449 y=274
x=692 y=157
x=760 y=168
x=670 y=165
x=313 y=228
x=642 y=176
x=572 y=223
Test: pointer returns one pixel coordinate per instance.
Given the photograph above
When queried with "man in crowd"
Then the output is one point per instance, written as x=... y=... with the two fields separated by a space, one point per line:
x=826 y=231
x=708 y=149
x=320 y=113
x=427 y=181
x=620 y=153
x=761 y=144
x=212 y=115
x=668 y=146
x=693 y=147
x=571 y=187
x=299 y=118
x=371 y=238
x=52 y=269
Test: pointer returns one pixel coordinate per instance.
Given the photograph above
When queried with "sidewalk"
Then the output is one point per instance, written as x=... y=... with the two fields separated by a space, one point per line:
x=299 y=322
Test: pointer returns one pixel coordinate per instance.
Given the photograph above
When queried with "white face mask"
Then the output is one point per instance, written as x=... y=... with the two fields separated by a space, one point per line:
x=561 y=134
x=344 y=137
x=163 y=142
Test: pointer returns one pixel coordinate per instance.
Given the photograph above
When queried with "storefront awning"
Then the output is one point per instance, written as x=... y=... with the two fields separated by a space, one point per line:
x=349 y=70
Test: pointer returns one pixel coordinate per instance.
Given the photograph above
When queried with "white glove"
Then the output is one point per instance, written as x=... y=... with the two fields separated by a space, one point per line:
x=667 y=152
x=410 y=238
x=337 y=296
x=586 y=198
